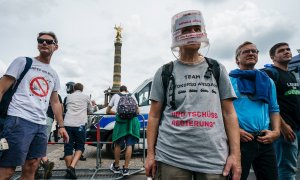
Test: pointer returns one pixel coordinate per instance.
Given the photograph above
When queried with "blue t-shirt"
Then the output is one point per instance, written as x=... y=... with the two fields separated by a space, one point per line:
x=254 y=116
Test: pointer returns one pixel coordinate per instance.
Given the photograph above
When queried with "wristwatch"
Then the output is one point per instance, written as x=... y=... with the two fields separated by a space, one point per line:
x=61 y=127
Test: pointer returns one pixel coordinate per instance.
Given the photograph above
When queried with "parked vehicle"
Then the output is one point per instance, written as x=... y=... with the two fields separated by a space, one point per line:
x=294 y=67
x=107 y=122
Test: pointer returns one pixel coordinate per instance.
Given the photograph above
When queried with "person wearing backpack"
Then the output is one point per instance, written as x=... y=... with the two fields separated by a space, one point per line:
x=25 y=127
x=287 y=146
x=127 y=127
x=258 y=114
x=192 y=130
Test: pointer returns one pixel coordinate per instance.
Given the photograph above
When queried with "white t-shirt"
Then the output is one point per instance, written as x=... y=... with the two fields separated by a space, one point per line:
x=32 y=97
x=78 y=105
x=115 y=101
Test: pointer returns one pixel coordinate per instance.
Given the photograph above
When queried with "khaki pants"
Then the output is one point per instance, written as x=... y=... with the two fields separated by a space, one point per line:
x=167 y=172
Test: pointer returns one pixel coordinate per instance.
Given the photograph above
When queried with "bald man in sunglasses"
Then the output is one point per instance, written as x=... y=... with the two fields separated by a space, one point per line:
x=25 y=127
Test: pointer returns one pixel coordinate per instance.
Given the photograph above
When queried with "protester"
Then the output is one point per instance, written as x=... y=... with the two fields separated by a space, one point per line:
x=192 y=128
x=25 y=127
x=77 y=105
x=257 y=111
x=125 y=130
x=288 y=95
x=70 y=90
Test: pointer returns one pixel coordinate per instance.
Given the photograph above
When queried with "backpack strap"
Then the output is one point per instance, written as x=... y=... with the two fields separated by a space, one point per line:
x=121 y=94
x=7 y=96
x=272 y=73
x=166 y=74
x=213 y=68
x=26 y=69
x=167 y=69
x=65 y=104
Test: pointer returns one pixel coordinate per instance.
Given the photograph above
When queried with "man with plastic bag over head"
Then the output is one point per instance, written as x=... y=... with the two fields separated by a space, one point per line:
x=192 y=128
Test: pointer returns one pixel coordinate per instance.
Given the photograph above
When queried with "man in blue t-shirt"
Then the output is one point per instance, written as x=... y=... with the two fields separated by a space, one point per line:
x=258 y=114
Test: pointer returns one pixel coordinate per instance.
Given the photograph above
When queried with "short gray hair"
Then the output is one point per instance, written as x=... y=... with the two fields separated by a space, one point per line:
x=50 y=33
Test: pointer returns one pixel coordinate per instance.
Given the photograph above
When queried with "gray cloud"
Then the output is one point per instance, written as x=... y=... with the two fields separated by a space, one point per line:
x=24 y=10
x=274 y=35
x=248 y=23
x=86 y=34
x=210 y=2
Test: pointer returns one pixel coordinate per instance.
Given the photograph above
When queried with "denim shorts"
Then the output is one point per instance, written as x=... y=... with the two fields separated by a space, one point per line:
x=128 y=140
x=26 y=140
x=76 y=140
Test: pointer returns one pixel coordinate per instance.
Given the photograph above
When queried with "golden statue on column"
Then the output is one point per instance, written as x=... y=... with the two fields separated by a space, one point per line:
x=118 y=32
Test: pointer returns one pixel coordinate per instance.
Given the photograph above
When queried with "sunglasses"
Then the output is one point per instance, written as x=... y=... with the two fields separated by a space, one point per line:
x=47 y=41
x=254 y=51
x=284 y=49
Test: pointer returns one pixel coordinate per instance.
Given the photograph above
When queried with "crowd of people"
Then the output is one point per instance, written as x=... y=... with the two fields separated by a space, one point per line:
x=228 y=123
x=203 y=122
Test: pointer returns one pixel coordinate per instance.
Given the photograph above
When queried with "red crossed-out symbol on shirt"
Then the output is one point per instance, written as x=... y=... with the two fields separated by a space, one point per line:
x=39 y=86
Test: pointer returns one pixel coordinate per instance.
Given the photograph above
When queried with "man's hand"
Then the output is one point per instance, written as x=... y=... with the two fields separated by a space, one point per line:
x=150 y=166
x=63 y=133
x=245 y=137
x=269 y=136
x=287 y=132
x=233 y=165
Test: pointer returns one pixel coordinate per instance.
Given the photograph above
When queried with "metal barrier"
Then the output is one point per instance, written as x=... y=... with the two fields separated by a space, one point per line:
x=97 y=172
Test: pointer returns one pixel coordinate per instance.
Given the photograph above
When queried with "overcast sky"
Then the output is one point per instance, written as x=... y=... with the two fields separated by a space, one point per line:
x=85 y=30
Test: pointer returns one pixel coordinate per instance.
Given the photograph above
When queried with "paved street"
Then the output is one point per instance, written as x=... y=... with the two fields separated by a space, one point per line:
x=86 y=169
